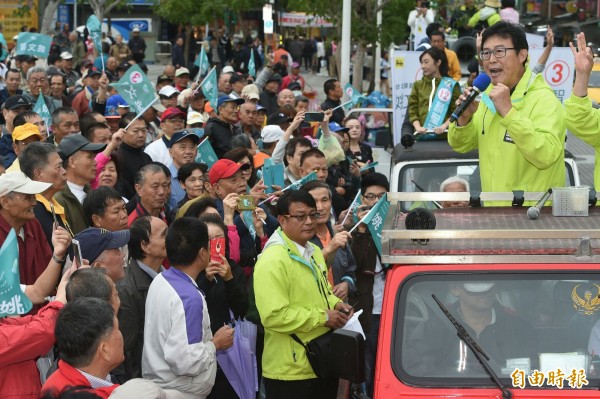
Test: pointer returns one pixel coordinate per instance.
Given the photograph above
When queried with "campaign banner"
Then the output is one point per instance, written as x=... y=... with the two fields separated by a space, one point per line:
x=374 y=220
x=12 y=300
x=34 y=44
x=136 y=89
x=252 y=64
x=559 y=72
x=535 y=41
x=405 y=71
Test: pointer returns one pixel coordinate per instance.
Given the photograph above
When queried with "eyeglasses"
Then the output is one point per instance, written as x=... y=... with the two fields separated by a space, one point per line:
x=302 y=218
x=498 y=53
x=371 y=197
x=176 y=120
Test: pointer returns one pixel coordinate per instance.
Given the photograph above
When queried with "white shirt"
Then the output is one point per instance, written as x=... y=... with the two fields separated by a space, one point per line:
x=77 y=191
x=378 y=287
x=307 y=251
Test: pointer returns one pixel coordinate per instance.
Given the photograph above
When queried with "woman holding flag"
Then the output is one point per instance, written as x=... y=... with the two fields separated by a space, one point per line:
x=432 y=99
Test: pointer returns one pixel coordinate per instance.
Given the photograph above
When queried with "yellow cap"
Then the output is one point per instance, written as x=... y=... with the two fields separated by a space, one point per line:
x=24 y=131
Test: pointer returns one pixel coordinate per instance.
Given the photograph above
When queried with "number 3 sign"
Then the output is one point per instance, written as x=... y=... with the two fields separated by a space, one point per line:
x=559 y=71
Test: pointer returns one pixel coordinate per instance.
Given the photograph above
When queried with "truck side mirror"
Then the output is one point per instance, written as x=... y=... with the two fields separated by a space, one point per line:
x=348 y=355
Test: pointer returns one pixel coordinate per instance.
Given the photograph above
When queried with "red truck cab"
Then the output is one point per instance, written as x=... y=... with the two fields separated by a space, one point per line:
x=526 y=291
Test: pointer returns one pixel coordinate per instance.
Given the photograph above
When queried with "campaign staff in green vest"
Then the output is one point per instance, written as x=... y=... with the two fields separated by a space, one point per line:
x=432 y=98
x=581 y=119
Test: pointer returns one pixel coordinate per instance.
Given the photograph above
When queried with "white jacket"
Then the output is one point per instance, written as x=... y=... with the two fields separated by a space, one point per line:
x=178 y=352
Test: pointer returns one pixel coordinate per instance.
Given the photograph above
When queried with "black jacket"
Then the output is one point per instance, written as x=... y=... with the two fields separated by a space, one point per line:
x=133 y=290
x=220 y=134
x=129 y=160
x=365 y=254
x=338 y=115
x=222 y=296
x=269 y=101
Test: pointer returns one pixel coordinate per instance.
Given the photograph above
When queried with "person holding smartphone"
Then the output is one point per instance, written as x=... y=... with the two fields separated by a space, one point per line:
x=224 y=285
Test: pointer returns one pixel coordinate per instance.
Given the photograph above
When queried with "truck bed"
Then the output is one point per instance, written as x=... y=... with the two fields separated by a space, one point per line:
x=493 y=234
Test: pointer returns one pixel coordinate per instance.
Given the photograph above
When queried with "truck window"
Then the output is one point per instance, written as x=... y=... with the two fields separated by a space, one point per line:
x=523 y=321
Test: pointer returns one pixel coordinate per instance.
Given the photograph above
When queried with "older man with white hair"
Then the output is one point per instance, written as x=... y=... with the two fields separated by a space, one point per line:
x=37 y=80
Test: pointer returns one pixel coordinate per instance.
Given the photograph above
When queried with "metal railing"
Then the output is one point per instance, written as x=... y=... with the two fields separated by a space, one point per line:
x=163 y=52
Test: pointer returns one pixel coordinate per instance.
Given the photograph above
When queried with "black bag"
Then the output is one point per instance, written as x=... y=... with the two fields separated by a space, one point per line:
x=318 y=352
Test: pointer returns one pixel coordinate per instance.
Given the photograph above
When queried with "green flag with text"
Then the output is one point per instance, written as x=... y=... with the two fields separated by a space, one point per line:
x=34 y=44
x=12 y=299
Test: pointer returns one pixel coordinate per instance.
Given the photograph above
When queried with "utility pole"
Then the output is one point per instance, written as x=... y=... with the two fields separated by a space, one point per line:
x=346 y=42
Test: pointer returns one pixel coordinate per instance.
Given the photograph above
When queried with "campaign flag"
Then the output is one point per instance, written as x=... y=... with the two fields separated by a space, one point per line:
x=368 y=166
x=12 y=300
x=251 y=64
x=272 y=174
x=354 y=96
x=41 y=109
x=95 y=29
x=136 y=89
x=206 y=154
x=34 y=44
x=353 y=206
x=298 y=183
x=374 y=220
x=202 y=62
x=210 y=89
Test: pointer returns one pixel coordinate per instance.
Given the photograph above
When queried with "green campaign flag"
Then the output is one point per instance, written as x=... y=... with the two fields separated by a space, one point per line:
x=354 y=95
x=12 y=300
x=202 y=62
x=34 y=44
x=41 y=109
x=95 y=29
x=206 y=154
x=136 y=89
x=298 y=183
x=210 y=89
x=251 y=64
x=272 y=174
x=375 y=218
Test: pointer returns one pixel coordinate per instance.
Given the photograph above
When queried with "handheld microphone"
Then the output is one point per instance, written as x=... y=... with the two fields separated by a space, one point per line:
x=480 y=84
x=534 y=211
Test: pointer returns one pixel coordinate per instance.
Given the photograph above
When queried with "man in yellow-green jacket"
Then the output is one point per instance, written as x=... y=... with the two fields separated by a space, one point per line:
x=518 y=126
x=293 y=296
x=582 y=120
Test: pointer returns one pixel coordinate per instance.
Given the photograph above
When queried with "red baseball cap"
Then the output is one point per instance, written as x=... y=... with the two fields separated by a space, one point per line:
x=223 y=169
x=172 y=112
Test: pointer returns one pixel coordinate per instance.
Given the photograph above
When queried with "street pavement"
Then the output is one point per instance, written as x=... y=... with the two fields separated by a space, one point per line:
x=584 y=154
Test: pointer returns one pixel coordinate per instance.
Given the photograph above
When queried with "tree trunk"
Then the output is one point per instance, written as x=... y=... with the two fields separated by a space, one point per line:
x=372 y=73
x=51 y=7
x=189 y=36
x=359 y=61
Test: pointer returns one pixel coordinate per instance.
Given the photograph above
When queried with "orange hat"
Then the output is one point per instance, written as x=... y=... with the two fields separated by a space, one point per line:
x=25 y=131
x=208 y=108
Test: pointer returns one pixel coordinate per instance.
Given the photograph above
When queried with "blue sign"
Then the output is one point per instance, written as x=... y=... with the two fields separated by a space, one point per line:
x=125 y=26
x=64 y=14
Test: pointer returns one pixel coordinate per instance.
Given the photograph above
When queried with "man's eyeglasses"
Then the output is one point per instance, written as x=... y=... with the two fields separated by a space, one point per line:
x=302 y=218
x=371 y=197
x=498 y=53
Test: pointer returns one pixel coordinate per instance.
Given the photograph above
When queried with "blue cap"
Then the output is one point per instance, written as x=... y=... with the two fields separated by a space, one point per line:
x=93 y=241
x=182 y=134
x=335 y=127
x=226 y=99
x=115 y=101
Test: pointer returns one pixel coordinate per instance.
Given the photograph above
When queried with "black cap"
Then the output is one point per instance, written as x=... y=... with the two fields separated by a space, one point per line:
x=76 y=142
x=123 y=65
x=294 y=86
x=182 y=134
x=274 y=78
x=236 y=78
x=26 y=58
x=16 y=101
x=164 y=78
x=278 y=119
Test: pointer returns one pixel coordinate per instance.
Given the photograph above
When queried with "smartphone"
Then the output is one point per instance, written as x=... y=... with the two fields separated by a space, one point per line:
x=217 y=248
x=54 y=215
x=77 y=253
x=314 y=117
x=246 y=203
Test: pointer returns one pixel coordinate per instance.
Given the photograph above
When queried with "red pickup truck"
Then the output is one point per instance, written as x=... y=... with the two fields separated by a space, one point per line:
x=522 y=294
